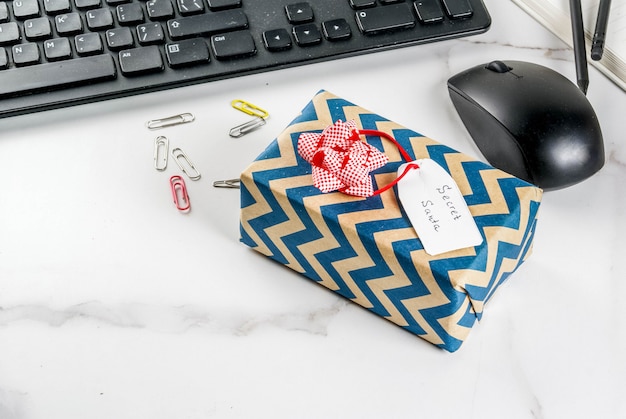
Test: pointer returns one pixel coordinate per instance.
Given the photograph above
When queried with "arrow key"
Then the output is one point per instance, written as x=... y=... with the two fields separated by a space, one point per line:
x=307 y=34
x=299 y=12
x=336 y=30
x=277 y=40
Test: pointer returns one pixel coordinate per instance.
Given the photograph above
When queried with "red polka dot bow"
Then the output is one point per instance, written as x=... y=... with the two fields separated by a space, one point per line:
x=340 y=160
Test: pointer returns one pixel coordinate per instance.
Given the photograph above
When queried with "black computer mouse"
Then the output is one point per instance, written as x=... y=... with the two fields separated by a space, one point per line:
x=529 y=121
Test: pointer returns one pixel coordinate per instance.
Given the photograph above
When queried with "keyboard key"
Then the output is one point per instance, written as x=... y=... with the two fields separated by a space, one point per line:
x=336 y=30
x=4 y=12
x=24 y=9
x=25 y=54
x=458 y=9
x=119 y=38
x=223 y=4
x=385 y=18
x=99 y=19
x=54 y=7
x=88 y=44
x=4 y=59
x=299 y=12
x=160 y=9
x=140 y=60
x=129 y=14
x=187 y=52
x=277 y=40
x=57 y=49
x=307 y=34
x=87 y=4
x=9 y=33
x=190 y=7
x=362 y=4
x=233 y=45
x=150 y=33
x=207 y=24
x=429 y=11
x=68 y=24
x=37 y=28
x=58 y=74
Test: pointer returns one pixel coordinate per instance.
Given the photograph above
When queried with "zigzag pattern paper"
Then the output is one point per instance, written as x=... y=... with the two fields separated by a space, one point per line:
x=365 y=248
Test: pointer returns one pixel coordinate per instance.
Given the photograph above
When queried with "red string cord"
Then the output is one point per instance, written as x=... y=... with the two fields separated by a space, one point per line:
x=403 y=152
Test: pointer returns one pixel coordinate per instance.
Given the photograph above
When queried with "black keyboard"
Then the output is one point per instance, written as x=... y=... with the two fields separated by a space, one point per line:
x=56 y=53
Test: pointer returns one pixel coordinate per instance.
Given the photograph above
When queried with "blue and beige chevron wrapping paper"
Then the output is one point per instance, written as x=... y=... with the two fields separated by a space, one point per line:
x=365 y=248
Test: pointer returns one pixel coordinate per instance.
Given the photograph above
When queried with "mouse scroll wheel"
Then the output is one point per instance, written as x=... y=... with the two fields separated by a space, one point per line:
x=498 y=67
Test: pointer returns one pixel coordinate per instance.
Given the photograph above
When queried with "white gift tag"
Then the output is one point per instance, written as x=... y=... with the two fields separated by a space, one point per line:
x=437 y=209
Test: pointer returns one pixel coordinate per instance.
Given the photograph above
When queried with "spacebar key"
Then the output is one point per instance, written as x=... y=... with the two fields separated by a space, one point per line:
x=56 y=74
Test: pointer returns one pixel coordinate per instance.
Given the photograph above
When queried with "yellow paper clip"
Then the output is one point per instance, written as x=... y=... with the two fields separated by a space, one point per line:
x=183 y=118
x=249 y=108
x=185 y=164
x=161 y=148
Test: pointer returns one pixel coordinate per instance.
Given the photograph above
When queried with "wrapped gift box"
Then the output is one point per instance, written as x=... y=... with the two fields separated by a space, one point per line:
x=366 y=249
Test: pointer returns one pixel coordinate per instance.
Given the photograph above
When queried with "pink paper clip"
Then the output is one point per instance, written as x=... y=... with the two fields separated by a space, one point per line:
x=179 y=193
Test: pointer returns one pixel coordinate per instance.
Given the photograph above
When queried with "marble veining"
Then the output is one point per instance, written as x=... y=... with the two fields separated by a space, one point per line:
x=171 y=319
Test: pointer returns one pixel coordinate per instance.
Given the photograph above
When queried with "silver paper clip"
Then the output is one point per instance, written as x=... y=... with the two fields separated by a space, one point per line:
x=228 y=183
x=246 y=127
x=179 y=193
x=183 y=118
x=161 y=149
x=185 y=164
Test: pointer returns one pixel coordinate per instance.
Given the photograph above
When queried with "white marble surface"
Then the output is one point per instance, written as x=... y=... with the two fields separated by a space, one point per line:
x=114 y=305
